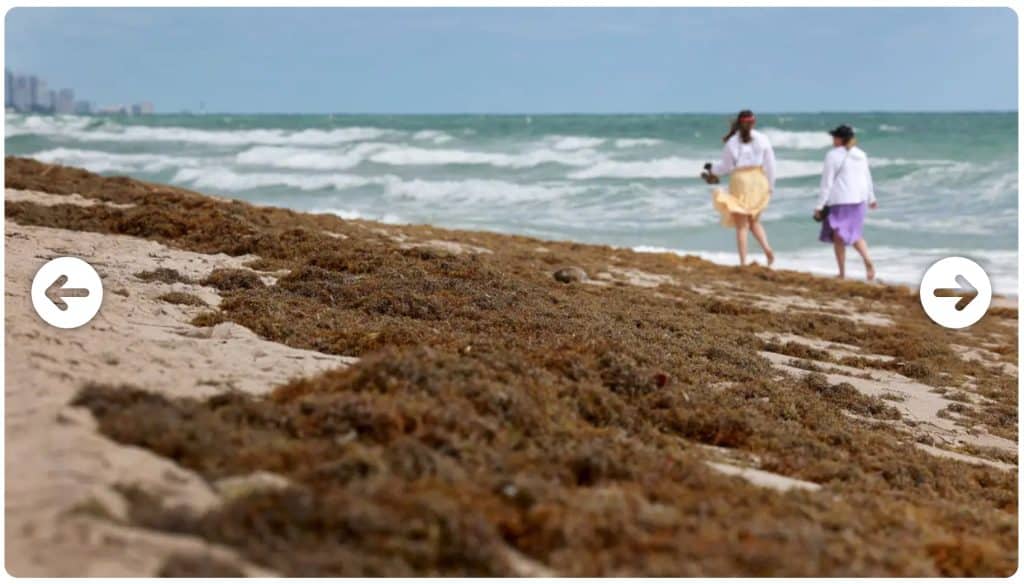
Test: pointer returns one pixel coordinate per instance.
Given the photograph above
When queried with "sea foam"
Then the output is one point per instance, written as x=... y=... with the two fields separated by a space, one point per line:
x=636 y=142
x=435 y=136
x=99 y=161
x=681 y=168
x=574 y=142
x=307 y=158
x=478 y=191
x=413 y=156
x=225 y=179
x=797 y=140
x=112 y=132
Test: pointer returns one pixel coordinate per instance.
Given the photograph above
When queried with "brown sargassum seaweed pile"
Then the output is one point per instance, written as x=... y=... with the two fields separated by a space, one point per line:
x=502 y=423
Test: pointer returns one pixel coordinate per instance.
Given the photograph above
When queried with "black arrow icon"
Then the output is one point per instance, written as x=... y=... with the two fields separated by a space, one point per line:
x=56 y=292
x=966 y=293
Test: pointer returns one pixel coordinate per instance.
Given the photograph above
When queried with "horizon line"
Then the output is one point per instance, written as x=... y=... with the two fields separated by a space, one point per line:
x=571 y=113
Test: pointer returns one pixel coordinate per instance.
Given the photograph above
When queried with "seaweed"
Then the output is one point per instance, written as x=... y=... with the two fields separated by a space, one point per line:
x=183 y=298
x=500 y=422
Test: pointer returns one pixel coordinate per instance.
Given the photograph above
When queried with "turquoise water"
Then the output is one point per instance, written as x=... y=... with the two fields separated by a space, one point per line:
x=947 y=183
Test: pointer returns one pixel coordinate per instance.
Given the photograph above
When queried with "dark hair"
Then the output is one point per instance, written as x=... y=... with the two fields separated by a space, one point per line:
x=845 y=134
x=737 y=126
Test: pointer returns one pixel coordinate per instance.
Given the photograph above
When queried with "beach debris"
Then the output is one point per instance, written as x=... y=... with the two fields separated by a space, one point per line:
x=164 y=275
x=227 y=279
x=570 y=275
x=182 y=298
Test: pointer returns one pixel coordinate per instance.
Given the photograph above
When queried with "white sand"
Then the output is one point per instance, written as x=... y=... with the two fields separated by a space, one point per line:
x=965 y=457
x=762 y=478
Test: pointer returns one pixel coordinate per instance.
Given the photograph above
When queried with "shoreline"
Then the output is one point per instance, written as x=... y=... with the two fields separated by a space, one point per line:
x=552 y=408
x=998 y=298
x=1004 y=299
x=808 y=256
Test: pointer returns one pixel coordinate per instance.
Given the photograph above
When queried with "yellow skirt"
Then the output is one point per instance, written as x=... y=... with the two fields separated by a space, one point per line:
x=749 y=193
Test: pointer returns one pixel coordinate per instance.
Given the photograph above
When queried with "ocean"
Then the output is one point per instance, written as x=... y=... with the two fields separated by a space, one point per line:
x=946 y=183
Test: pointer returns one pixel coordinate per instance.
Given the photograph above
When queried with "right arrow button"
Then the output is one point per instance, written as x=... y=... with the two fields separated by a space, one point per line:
x=966 y=293
x=955 y=292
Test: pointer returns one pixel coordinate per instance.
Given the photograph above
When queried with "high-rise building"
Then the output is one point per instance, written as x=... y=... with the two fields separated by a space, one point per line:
x=22 y=96
x=65 y=102
x=33 y=92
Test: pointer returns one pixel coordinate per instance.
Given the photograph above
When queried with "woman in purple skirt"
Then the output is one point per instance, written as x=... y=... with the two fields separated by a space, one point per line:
x=846 y=194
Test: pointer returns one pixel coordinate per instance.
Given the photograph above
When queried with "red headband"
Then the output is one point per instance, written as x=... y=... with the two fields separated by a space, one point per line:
x=750 y=118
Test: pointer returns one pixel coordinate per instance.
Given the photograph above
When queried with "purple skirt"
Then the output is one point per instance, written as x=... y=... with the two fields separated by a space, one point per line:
x=845 y=220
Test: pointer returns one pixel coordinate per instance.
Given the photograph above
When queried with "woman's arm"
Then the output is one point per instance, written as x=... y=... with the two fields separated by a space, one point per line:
x=726 y=164
x=827 y=177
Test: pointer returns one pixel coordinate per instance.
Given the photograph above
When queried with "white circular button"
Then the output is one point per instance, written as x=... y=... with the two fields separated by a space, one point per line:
x=67 y=292
x=955 y=292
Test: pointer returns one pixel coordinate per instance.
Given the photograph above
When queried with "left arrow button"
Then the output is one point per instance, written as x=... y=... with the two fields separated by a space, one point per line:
x=56 y=292
x=67 y=292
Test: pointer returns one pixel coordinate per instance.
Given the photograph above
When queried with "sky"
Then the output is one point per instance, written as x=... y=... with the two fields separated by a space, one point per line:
x=490 y=60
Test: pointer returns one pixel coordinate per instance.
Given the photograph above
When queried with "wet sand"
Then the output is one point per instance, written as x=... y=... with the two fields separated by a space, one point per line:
x=271 y=392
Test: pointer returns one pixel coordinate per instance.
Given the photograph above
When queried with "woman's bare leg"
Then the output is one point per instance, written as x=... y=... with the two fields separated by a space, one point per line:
x=741 y=235
x=762 y=238
x=840 y=247
x=869 y=267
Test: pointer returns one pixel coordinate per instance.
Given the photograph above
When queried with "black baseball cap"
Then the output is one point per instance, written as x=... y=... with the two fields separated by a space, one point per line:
x=843 y=132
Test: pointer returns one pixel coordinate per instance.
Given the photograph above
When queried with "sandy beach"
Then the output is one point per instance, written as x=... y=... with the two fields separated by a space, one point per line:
x=267 y=392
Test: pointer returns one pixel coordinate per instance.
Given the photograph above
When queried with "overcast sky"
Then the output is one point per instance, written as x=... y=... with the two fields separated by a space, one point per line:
x=524 y=60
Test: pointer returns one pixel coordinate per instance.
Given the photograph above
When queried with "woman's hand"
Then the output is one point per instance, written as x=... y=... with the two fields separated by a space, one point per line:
x=873 y=205
x=817 y=215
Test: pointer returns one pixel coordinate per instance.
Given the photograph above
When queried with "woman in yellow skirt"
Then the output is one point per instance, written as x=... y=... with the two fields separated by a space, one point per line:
x=749 y=158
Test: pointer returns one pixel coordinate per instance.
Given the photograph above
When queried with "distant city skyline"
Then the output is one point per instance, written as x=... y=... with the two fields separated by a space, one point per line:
x=708 y=60
x=30 y=93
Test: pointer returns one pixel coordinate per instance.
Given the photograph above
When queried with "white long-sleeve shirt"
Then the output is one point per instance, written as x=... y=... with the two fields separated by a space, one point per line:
x=737 y=154
x=846 y=178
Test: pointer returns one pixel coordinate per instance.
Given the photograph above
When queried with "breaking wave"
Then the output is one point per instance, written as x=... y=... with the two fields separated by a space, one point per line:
x=797 y=140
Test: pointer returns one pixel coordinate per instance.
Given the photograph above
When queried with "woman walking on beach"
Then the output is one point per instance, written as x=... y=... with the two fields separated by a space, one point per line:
x=846 y=193
x=749 y=157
